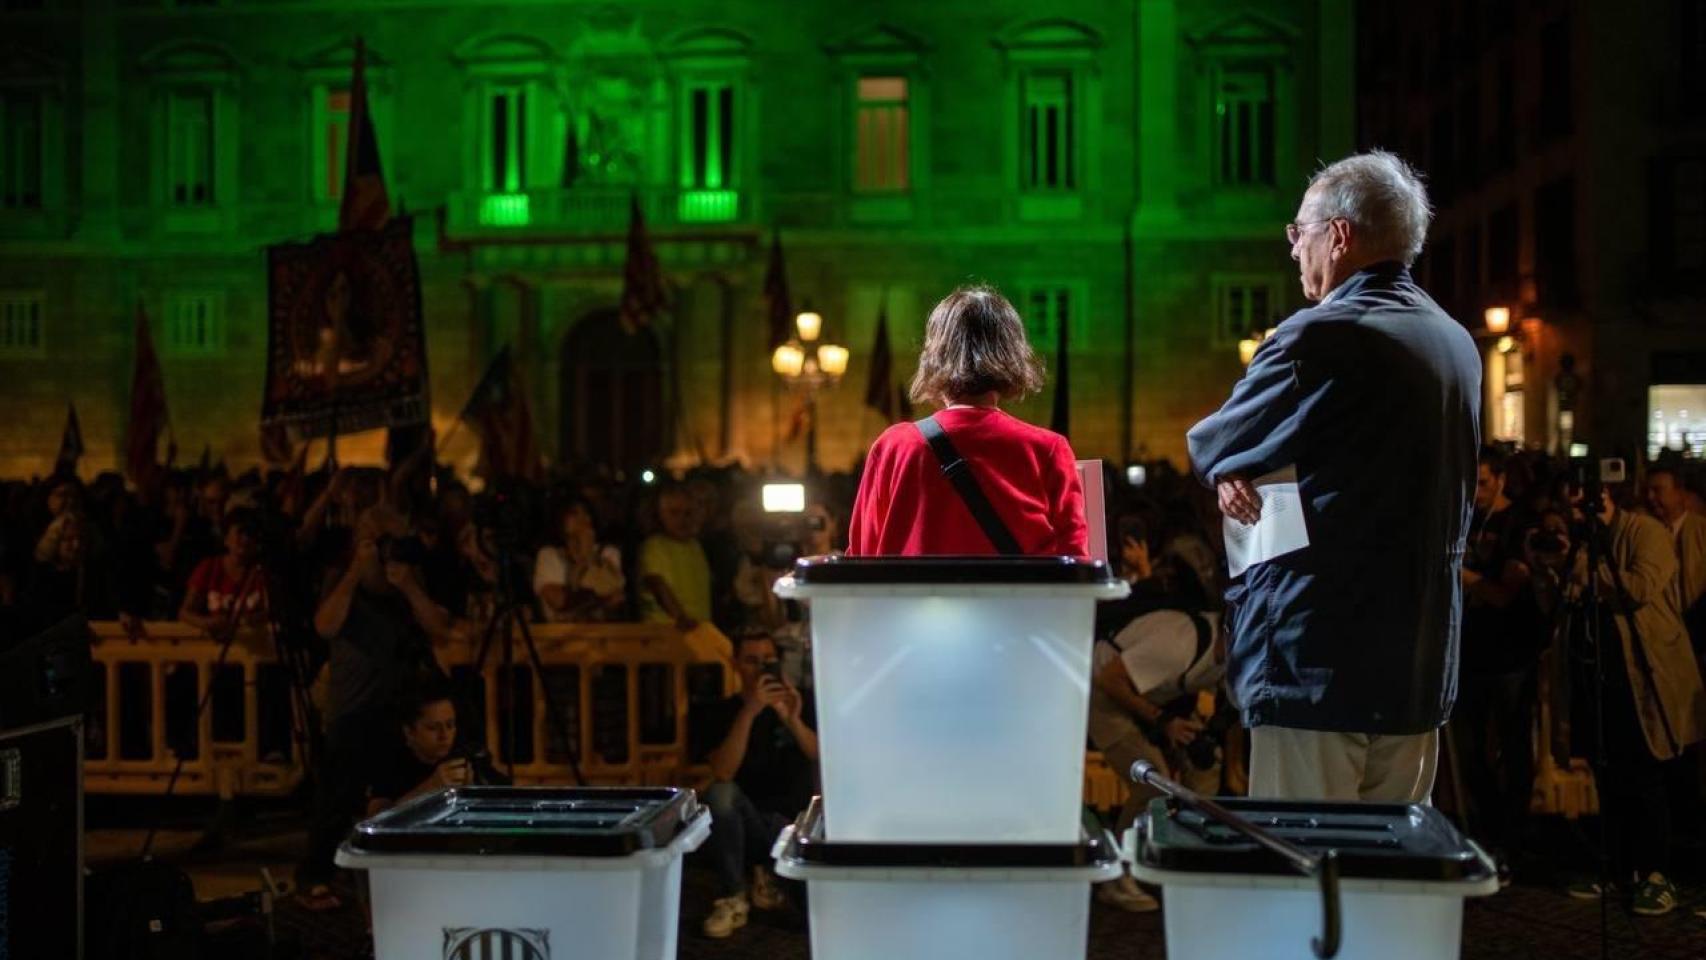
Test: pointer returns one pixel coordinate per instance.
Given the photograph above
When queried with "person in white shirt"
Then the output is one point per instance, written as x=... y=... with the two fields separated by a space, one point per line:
x=578 y=579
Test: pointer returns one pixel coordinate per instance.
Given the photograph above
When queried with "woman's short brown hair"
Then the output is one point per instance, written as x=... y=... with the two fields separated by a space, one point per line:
x=975 y=342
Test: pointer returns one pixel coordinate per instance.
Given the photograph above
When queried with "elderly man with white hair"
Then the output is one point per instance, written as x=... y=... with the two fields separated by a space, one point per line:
x=1343 y=654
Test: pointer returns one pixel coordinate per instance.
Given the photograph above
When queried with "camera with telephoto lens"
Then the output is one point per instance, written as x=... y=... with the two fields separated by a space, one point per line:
x=777 y=554
x=784 y=537
x=478 y=757
x=1204 y=751
x=410 y=551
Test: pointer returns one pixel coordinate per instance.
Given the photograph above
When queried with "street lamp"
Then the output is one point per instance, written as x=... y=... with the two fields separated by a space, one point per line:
x=1247 y=346
x=805 y=364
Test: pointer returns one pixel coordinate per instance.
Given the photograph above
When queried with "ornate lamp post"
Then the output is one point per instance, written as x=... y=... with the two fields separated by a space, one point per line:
x=805 y=364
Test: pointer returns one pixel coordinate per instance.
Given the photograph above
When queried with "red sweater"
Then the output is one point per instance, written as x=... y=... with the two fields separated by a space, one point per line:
x=906 y=507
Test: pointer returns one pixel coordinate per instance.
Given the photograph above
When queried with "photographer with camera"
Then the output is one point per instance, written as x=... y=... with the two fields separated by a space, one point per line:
x=1652 y=704
x=426 y=757
x=380 y=625
x=771 y=547
x=1143 y=706
x=762 y=749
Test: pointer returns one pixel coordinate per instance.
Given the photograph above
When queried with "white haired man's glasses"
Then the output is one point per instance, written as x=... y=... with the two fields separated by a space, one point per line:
x=1295 y=230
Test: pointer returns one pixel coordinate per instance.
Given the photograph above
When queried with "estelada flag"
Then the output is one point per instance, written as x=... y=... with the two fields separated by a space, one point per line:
x=499 y=413
x=879 y=388
x=147 y=406
x=366 y=206
x=777 y=305
x=643 y=293
x=70 y=444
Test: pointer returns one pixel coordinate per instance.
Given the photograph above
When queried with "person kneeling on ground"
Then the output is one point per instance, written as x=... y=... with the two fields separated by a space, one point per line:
x=1143 y=706
x=426 y=757
x=762 y=750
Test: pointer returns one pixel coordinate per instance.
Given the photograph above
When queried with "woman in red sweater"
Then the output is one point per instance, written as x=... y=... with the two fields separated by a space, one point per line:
x=975 y=355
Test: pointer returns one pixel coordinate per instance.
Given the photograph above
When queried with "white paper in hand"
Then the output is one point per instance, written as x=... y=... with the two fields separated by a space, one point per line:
x=1279 y=531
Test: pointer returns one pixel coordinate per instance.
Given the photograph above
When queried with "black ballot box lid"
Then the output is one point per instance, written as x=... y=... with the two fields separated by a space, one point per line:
x=531 y=821
x=1017 y=571
x=1394 y=841
x=808 y=846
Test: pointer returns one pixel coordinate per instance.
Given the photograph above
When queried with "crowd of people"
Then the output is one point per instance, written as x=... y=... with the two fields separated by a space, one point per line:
x=377 y=570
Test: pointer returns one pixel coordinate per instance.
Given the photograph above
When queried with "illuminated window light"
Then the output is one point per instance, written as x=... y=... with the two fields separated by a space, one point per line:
x=504 y=210
x=708 y=206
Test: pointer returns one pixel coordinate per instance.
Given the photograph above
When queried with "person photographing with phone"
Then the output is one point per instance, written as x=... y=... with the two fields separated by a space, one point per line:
x=761 y=745
x=427 y=756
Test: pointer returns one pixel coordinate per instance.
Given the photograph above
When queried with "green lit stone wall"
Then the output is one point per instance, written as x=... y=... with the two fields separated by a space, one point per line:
x=1142 y=238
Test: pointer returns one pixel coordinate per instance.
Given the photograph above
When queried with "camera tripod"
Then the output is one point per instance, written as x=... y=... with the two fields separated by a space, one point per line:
x=509 y=616
x=1594 y=651
x=284 y=623
x=244 y=593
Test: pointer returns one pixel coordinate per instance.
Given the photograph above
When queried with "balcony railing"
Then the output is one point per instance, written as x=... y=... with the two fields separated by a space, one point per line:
x=591 y=210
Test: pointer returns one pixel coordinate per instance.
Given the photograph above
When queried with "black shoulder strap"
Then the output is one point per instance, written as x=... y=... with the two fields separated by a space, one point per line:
x=958 y=472
x=1205 y=639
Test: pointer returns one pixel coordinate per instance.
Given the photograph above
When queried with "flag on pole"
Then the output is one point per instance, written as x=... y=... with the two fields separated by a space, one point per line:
x=778 y=307
x=1061 y=421
x=571 y=155
x=365 y=206
x=498 y=412
x=70 y=444
x=147 y=406
x=879 y=388
x=276 y=446
x=643 y=293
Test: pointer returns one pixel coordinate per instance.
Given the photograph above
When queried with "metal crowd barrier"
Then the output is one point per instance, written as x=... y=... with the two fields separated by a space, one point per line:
x=143 y=714
x=624 y=688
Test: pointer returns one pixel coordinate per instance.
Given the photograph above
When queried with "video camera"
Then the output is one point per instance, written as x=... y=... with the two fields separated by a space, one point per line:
x=1591 y=478
x=505 y=508
x=786 y=526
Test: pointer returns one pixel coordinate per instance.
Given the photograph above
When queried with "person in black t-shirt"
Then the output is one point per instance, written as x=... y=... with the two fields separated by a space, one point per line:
x=762 y=749
x=1502 y=637
x=426 y=757
x=380 y=626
